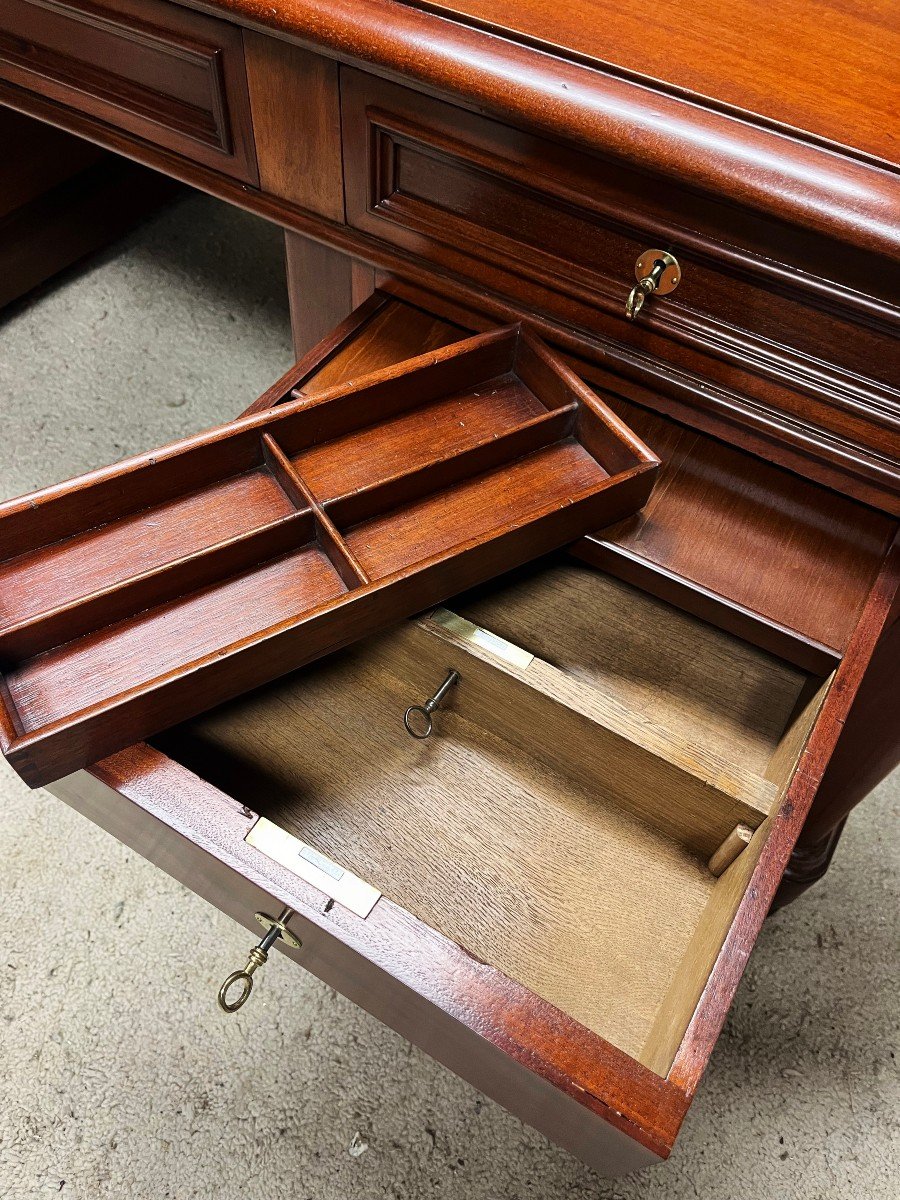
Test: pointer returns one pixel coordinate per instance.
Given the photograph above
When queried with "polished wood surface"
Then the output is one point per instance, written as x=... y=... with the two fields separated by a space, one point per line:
x=740 y=542
x=763 y=59
x=553 y=879
x=763 y=169
x=477 y=169
x=320 y=289
x=420 y=981
x=413 y=978
x=591 y=1098
x=785 y=340
x=141 y=594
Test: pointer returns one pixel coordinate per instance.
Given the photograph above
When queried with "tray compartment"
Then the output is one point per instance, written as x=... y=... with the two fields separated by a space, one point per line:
x=532 y=487
x=90 y=671
x=345 y=515
x=149 y=512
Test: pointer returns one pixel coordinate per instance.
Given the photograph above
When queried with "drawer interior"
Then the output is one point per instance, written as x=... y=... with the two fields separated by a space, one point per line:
x=597 y=750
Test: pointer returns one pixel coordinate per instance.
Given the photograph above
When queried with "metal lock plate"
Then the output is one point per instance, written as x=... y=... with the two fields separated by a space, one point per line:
x=670 y=276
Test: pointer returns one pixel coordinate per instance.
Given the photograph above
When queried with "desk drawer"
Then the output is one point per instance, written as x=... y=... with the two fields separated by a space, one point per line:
x=766 y=321
x=172 y=77
x=565 y=879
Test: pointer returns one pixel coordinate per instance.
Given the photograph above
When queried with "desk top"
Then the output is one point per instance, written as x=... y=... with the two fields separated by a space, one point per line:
x=790 y=111
x=826 y=67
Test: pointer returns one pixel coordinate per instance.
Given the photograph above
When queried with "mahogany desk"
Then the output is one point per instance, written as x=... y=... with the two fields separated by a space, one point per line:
x=489 y=161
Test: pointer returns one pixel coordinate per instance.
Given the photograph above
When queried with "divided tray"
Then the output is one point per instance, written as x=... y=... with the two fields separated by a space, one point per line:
x=137 y=596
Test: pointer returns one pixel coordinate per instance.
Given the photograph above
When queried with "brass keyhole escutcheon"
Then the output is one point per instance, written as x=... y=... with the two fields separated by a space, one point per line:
x=276 y=927
x=655 y=271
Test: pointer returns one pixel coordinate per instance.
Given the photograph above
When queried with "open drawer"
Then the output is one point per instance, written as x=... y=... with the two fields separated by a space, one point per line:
x=556 y=892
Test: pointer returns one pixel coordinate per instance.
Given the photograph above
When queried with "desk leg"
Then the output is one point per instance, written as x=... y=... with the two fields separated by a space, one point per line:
x=324 y=286
x=867 y=751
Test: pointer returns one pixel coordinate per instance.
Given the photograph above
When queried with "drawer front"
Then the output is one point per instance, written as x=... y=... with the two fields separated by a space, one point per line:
x=415 y=981
x=168 y=76
x=759 y=312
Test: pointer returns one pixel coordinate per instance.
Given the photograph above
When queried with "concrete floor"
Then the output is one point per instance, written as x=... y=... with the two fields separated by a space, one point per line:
x=120 y=1077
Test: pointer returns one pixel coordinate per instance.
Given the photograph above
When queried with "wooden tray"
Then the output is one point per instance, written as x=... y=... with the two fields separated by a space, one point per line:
x=140 y=595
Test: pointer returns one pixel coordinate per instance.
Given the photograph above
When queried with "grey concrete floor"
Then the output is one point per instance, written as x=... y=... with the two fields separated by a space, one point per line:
x=119 y=1076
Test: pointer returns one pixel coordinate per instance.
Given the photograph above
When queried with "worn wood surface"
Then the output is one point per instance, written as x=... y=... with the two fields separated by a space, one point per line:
x=525 y=868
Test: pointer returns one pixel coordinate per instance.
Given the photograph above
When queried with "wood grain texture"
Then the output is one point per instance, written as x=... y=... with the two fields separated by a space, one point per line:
x=703 y=687
x=525 y=869
x=296 y=124
x=412 y=977
x=745 y=56
x=553 y=1073
x=691 y=398
x=868 y=749
x=797 y=554
x=743 y=578
x=706 y=1023
x=177 y=526
x=173 y=77
x=675 y=1013
x=585 y=735
x=736 y=540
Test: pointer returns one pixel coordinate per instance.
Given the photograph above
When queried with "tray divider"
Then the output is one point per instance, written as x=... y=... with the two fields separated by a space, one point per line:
x=294 y=487
x=148 y=589
x=440 y=473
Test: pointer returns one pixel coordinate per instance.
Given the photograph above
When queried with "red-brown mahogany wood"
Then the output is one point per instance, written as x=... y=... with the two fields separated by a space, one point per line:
x=424 y=985
x=137 y=596
x=706 y=404
x=745 y=55
x=785 y=321
x=411 y=962
x=210 y=828
x=706 y=1025
x=756 y=163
